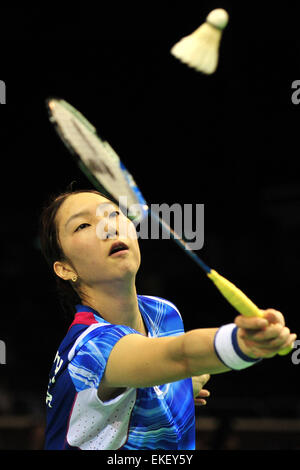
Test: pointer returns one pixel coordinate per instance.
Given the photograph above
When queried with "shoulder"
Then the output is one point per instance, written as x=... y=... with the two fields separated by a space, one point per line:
x=164 y=316
x=158 y=301
x=103 y=334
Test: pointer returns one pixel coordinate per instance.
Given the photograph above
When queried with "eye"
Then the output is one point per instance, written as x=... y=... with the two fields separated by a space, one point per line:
x=80 y=227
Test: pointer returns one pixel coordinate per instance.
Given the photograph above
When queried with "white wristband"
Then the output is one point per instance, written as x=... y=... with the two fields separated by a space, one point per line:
x=228 y=350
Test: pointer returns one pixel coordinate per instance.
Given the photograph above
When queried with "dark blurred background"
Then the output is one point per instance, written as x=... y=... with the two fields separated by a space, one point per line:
x=229 y=141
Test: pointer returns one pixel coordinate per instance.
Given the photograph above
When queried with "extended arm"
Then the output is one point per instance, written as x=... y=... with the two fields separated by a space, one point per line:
x=139 y=361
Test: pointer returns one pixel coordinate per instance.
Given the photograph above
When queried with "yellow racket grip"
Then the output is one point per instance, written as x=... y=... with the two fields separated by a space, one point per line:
x=238 y=300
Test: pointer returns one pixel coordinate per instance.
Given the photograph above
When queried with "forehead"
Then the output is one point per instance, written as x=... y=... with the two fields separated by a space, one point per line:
x=78 y=202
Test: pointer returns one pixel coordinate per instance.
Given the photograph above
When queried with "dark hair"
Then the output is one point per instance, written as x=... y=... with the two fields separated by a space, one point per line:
x=69 y=293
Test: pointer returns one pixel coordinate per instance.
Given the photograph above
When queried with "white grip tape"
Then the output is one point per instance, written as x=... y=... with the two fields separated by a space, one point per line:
x=228 y=350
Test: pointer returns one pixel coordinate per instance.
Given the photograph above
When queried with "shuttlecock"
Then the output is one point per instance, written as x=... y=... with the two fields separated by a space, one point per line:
x=200 y=50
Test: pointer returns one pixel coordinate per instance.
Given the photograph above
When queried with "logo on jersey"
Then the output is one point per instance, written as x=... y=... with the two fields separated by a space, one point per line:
x=58 y=363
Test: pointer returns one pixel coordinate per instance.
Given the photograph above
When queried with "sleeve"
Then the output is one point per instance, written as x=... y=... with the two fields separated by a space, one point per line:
x=89 y=362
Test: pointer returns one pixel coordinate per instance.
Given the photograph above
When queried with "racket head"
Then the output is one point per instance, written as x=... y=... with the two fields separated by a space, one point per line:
x=96 y=158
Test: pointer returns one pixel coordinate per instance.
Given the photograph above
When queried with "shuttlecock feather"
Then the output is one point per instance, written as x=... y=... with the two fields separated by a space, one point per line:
x=200 y=49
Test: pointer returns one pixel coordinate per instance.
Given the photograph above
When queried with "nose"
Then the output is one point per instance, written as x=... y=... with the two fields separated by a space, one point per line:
x=110 y=231
x=114 y=226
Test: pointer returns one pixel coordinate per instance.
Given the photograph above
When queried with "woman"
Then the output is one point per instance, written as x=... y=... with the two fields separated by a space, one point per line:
x=121 y=378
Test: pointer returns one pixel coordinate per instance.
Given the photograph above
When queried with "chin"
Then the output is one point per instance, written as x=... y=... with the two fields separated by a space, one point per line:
x=129 y=269
x=124 y=267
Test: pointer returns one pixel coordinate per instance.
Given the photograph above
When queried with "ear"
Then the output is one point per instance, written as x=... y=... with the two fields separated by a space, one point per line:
x=63 y=270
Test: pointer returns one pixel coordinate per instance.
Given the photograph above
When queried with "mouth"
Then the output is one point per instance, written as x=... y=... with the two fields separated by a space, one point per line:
x=118 y=247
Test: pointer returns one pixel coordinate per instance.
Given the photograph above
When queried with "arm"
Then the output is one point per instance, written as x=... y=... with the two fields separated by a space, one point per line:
x=138 y=361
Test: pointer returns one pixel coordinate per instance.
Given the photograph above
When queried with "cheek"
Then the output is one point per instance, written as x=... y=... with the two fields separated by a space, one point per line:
x=137 y=253
x=130 y=233
x=84 y=247
x=134 y=243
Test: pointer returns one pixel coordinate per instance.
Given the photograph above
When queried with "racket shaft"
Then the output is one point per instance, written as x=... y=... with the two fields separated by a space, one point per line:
x=180 y=242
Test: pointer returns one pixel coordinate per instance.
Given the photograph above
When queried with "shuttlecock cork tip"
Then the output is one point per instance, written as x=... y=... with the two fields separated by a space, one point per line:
x=218 y=18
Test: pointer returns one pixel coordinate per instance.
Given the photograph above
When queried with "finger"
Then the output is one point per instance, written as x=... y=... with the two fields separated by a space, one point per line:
x=200 y=401
x=273 y=316
x=251 y=323
x=203 y=394
x=282 y=342
x=271 y=332
x=204 y=379
x=267 y=341
x=290 y=342
x=269 y=349
x=200 y=380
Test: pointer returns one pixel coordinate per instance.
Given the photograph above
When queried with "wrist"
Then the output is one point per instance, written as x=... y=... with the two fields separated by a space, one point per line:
x=229 y=349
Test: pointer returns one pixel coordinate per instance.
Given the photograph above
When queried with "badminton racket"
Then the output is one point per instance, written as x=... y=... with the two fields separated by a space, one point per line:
x=104 y=169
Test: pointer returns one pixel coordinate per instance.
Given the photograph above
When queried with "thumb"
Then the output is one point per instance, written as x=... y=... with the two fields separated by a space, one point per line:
x=204 y=379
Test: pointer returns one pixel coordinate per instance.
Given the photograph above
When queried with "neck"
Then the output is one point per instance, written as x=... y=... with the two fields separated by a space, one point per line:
x=117 y=304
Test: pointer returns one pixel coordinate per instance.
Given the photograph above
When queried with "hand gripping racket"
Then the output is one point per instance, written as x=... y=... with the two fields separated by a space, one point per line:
x=104 y=169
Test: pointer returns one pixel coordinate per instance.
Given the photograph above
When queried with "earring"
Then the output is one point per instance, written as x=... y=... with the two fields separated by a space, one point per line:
x=74 y=278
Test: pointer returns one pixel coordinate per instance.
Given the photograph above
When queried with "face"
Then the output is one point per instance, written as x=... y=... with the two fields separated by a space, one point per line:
x=89 y=229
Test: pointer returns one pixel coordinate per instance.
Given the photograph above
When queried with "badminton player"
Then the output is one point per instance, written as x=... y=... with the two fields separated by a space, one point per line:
x=122 y=375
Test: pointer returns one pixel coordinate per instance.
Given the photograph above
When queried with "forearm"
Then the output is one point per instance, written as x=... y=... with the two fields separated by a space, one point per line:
x=139 y=361
x=161 y=360
x=199 y=352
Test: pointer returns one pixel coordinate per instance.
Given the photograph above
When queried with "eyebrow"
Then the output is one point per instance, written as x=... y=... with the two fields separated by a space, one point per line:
x=82 y=214
x=74 y=216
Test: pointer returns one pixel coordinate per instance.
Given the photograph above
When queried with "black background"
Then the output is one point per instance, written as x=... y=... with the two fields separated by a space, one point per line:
x=229 y=140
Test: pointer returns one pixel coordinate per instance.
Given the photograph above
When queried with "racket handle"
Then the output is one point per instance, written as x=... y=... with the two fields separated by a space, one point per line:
x=238 y=300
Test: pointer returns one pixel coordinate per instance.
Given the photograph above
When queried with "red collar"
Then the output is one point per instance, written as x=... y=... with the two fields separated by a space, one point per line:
x=83 y=318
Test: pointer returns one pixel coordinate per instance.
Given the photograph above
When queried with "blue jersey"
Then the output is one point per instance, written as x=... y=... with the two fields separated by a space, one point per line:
x=151 y=418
